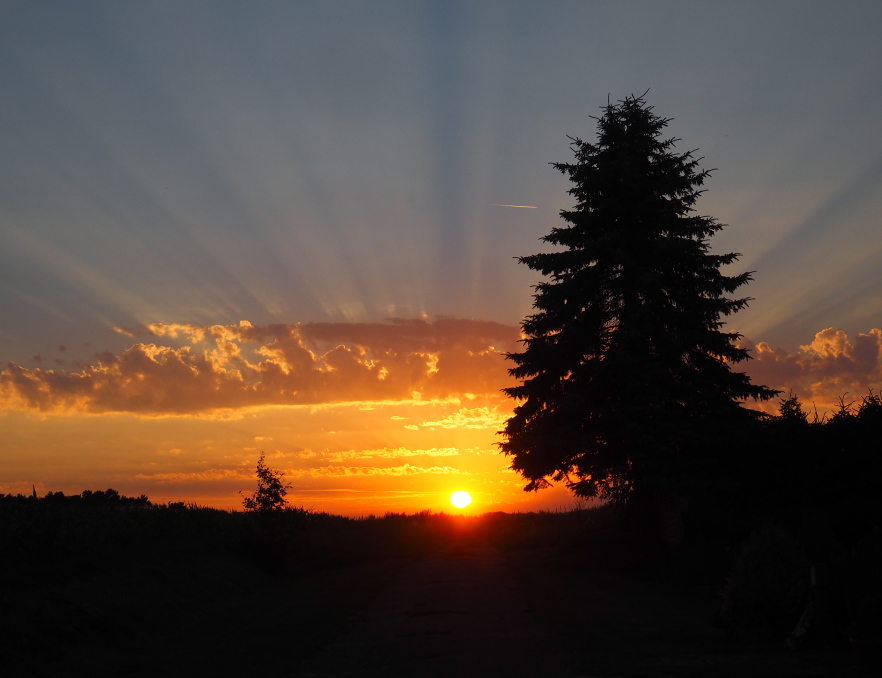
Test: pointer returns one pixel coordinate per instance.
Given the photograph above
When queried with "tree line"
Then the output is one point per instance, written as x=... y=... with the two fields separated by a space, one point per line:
x=108 y=498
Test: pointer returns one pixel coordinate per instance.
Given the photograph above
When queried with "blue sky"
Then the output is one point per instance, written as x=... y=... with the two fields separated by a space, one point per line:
x=209 y=162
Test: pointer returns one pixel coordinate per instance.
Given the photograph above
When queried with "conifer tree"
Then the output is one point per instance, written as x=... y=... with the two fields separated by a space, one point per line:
x=626 y=373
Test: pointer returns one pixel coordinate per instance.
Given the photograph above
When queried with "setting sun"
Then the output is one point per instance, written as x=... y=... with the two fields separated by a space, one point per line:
x=460 y=499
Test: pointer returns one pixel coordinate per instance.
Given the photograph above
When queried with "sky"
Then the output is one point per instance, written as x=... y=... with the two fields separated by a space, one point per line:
x=236 y=228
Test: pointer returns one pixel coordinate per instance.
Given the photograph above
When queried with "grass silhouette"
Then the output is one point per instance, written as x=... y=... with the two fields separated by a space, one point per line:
x=109 y=587
x=97 y=587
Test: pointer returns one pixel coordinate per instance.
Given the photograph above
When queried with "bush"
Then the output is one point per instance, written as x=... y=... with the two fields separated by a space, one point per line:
x=271 y=491
x=769 y=585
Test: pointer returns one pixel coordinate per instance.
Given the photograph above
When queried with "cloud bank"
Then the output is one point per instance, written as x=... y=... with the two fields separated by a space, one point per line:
x=190 y=369
x=197 y=370
x=822 y=371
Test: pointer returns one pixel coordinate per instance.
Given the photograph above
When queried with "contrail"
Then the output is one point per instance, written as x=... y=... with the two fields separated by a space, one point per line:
x=524 y=207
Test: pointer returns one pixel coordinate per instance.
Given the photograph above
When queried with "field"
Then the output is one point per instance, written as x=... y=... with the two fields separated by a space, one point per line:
x=179 y=590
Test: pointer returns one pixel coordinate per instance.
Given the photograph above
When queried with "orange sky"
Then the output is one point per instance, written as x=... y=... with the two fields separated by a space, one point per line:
x=280 y=162
x=361 y=417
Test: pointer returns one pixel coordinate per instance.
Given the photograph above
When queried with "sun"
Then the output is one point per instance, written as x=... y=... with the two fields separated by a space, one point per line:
x=460 y=499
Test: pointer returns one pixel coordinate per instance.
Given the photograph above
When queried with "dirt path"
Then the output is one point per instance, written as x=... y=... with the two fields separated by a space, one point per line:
x=456 y=615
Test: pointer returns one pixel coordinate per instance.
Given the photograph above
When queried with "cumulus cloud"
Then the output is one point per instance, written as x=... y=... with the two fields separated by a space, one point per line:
x=189 y=369
x=823 y=370
x=183 y=369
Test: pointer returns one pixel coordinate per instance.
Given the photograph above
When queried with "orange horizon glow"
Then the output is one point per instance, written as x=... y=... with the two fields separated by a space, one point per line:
x=360 y=418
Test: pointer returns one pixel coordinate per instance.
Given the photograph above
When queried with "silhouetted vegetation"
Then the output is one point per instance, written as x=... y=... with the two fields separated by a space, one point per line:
x=88 y=582
x=101 y=574
x=791 y=494
x=626 y=376
x=627 y=392
x=271 y=491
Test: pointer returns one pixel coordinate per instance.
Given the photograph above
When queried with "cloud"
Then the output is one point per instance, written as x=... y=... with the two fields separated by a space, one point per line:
x=222 y=367
x=329 y=471
x=478 y=417
x=403 y=470
x=181 y=369
x=174 y=451
x=390 y=453
x=823 y=370
x=210 y=475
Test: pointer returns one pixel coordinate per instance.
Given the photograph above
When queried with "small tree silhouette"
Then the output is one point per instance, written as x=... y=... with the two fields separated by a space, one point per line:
x=271 y=491
x=790 y=409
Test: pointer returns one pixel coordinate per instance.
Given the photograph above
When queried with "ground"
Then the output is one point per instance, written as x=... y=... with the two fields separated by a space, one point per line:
x=473 y=611
x=472 y=607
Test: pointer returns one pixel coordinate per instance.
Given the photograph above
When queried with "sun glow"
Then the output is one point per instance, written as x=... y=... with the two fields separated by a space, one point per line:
x=460 y=499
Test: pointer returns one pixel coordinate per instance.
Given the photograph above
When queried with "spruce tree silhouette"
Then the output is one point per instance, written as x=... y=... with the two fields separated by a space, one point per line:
x=626 y=371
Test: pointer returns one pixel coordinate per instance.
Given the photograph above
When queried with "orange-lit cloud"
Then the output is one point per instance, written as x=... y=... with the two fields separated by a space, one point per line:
x=384 y=453
x=221 y=367
x=329 y=471
x=478 y=417
x=402 y=470
x=205 y=370
x=822 y=371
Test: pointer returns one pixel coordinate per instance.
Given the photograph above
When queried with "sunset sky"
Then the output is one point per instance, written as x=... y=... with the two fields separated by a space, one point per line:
x=291 y=227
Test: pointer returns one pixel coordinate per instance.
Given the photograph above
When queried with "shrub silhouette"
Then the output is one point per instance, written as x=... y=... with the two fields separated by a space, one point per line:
x=271 y=491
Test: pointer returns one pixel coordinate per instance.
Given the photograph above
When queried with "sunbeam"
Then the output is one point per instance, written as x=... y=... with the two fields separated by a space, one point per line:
x=311 y=192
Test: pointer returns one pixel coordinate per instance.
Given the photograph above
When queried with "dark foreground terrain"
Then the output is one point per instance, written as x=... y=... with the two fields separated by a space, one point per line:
x=178 y=593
